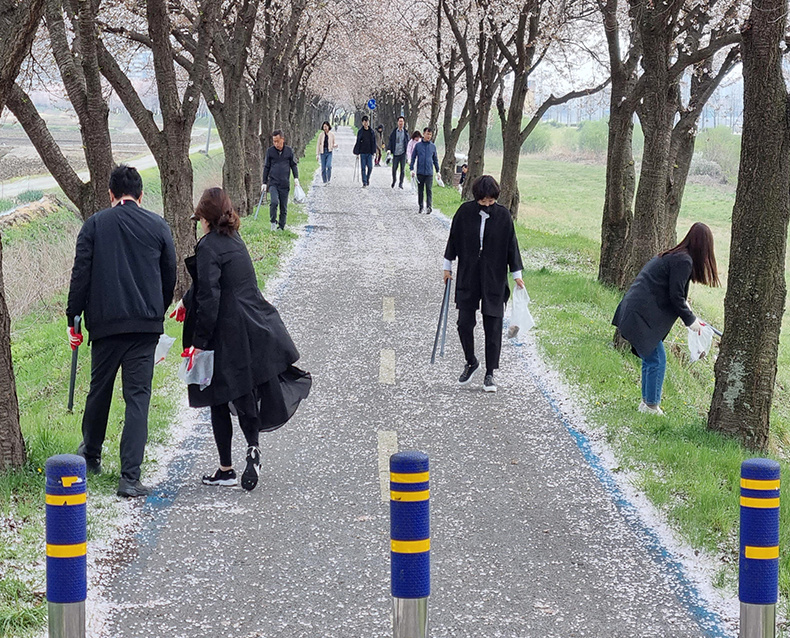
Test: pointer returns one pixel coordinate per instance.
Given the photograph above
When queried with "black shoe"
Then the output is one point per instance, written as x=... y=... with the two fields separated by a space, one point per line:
x=132 y=489
x=400 y=186
x=468 y=373
x=393 y=185
x=250 y=477
x=488 y=383
x=428 y=211
x=225 y=478
x=92 y=466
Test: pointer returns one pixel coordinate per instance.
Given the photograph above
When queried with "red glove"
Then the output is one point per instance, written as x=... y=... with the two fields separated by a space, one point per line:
x=75 y=338
x=180 y=313
x=189 y=353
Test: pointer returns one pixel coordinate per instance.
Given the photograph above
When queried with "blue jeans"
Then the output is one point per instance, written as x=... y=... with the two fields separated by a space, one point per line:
x=326 y=166
x=366 y=160
x=653 y=368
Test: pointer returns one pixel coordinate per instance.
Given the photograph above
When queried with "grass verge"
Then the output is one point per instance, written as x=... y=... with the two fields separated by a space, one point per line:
x=42 y=367
x=689 y=473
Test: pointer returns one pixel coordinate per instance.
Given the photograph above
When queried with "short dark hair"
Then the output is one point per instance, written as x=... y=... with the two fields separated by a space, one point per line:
x=277 y=133
x=400 y=117
x=328 y=124
x=365 y=118
x=125 y=180
x=426 y=129
x=416 y=135
x=485 y=186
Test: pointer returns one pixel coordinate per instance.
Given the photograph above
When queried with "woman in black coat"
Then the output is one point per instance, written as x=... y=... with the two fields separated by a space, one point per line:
x=655 y=301
x=224 y=311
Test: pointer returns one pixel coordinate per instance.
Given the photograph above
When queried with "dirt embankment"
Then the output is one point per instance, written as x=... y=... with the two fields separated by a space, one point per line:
x=34 y=210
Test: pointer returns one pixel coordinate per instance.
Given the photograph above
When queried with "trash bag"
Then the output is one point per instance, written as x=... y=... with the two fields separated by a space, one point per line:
x=700 y=344
x=202 y=369
x=407 y=185
x=299 y=196
x=163 y=347
x=520 y=318
x=439 y=180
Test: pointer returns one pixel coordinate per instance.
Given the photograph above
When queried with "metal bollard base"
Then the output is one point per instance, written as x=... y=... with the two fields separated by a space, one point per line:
x=410 y=617
x=66 y=620
x=757 y=621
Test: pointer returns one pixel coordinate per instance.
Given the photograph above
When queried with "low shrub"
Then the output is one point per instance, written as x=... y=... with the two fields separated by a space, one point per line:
x=539 y=140
x=30 y=196
x=593 y=136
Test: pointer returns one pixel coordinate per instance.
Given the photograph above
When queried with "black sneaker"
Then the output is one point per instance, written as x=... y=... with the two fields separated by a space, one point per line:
x=468 y=373
x=400 y=186
x=225 y=478
x=488 y=383
x=132 y=489
x=92 y=466
x=250 y=477
x=428 y=211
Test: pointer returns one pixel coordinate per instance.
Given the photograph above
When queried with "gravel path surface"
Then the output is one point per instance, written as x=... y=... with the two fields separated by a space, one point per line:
x=526 y=540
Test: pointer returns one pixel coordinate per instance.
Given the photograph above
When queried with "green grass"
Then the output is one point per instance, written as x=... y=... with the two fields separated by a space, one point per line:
x=689 y=473
x=42 y=366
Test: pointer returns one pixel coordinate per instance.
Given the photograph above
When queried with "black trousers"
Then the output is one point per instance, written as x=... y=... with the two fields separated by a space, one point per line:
x=425 y=182
x=279 y=197
x=247 y=409
x=133 y=354
x=398 y=160
x=492 y=326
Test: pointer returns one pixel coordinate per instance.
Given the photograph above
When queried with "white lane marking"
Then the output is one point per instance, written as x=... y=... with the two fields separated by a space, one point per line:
x=388 y=309
x=380 y=226
x=387 y=367
x=388 y=445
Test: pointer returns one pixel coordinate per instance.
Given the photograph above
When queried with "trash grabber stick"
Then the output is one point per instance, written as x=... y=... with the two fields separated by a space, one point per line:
x=446 y=315
x=74 y=355
x=439 y=326
x=260 y=201
x=356 y=168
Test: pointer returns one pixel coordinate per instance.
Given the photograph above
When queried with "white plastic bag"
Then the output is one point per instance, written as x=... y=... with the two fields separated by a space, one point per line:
x=163 y=347
x=520 y=318
x=299 y=196
x=202 y=369
x=700 y=344
x=439 y=180
x=407 y=185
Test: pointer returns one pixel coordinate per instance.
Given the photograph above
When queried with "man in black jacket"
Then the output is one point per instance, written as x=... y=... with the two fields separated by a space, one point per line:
x=277 y=167
x=483 y=238
x=123 y=279
x=399 y=141
x=366 y=149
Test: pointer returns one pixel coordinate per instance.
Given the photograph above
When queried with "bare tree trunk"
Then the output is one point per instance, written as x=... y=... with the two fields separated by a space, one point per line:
x=756 y=289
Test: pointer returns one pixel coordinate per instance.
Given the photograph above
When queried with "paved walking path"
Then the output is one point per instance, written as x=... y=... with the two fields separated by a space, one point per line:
x=526 y=541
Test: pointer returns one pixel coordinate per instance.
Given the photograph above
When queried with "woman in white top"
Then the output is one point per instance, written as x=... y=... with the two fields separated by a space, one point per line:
x=323 y=152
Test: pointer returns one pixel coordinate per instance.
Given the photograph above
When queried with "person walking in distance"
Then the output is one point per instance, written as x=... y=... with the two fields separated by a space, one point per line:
x=225 y=312
x=379 y=143
x=366 y=149
x=323 y=152
x=483 y=238
x=657 y=298
x=426 y=159
x=277 y=168
x=416 y=138
x=123 y=279
x=398 y=143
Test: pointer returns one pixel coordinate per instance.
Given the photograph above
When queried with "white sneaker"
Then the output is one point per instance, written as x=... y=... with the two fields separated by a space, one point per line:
x=274 y=227
x=644 y=408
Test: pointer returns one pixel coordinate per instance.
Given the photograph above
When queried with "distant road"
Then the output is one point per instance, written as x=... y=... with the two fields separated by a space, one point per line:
x=45 y=182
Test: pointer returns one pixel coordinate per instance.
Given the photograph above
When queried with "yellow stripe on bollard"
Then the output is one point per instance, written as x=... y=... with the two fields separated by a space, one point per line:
x=410 y=496
x=761 y=553
x=759 y=503
x=68 y=481
x=67 y=499
x=410 y=547
x=67 y=551
x=417 y=477
x=754 y=484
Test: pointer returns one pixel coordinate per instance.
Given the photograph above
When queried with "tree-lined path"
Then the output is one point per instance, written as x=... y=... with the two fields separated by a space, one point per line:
x=526 y=541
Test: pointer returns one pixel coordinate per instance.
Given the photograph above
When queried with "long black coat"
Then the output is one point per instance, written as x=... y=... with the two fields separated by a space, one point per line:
x=482 y=275
x=227 y=313
x=655 y=301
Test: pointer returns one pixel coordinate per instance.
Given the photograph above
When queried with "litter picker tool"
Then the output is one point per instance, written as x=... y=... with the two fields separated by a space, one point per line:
x=74 y=356
x=442 y=322
x=260 y=201
x=356 y=168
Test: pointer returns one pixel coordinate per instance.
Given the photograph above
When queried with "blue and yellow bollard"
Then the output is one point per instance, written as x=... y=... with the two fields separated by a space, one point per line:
x=758 y=573
x=67 y=538
x=410 y=544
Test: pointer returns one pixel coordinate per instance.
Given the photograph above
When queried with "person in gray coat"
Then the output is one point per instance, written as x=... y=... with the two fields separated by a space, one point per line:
x=655 y=301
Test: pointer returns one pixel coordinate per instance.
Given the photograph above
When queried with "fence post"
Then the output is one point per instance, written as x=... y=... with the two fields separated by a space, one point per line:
x=67 y=538
x=410 y=544
x=758 y=569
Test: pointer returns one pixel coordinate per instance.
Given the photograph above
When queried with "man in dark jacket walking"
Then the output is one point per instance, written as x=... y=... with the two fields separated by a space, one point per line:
x=277 y=168
x=123 y=279
x=399 y=140
x=366 y=149
x=483 y=238
x=426 y=159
